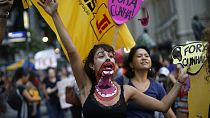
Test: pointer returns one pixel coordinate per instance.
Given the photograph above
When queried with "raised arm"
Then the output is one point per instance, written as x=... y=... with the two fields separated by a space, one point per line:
x=51 y=6
x=151 y=103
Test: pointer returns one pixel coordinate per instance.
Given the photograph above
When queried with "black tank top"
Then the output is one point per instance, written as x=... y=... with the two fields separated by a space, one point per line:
x=93 y=109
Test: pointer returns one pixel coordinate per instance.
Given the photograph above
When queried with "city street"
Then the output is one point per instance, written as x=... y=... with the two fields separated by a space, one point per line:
x=13 y=114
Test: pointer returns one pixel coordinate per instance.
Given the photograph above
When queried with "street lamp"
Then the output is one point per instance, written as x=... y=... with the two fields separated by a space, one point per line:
x=45 y=39
x=26 y=20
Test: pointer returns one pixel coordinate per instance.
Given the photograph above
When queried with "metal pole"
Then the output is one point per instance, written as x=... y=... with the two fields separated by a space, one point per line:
x=26 y=26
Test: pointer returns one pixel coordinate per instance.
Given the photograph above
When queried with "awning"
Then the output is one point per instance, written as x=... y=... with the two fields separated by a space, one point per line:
x=21 y=63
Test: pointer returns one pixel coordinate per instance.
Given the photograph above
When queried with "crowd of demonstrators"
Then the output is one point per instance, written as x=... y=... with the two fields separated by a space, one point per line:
x=50 y=91
x=101 y=96
x=68 y=80
x=138 y=66
x=181 y=103
x=2 y=93
x=21 y=78
x=5 y=88
x=54 y=87
x=27 y=88
x=166 y=75
x=119 y=59
x=146 y=40
x=157 y=61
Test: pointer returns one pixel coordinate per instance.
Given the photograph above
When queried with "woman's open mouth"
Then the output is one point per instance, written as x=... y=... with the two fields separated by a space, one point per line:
x=106 y=69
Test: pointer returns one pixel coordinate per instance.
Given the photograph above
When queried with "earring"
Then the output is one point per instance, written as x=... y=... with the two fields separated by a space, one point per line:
x=132 y=69
x=150 y=69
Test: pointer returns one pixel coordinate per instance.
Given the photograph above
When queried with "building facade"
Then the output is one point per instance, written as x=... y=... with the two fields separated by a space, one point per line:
x=171 y=19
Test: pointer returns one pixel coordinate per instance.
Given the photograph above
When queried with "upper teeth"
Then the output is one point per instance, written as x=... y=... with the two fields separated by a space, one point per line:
x=108 y=72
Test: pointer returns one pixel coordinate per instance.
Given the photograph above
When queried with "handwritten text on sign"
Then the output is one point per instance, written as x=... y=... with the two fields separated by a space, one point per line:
x=193 y=54
x=123 y=10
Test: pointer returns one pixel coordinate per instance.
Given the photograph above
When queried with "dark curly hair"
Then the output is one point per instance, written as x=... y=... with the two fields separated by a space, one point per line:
x=129 y=71
x=90 y=60
x=19 y=73
x=206 y=37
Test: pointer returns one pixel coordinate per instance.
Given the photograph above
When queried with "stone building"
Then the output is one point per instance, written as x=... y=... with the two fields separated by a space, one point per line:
x=170 y=20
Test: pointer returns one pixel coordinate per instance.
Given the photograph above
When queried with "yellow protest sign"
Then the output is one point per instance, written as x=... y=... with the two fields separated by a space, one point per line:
x=192 y=54
x=88 y=22
x=199 y=94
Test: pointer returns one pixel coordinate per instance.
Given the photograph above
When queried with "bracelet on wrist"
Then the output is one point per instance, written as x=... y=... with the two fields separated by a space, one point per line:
x=178 y=81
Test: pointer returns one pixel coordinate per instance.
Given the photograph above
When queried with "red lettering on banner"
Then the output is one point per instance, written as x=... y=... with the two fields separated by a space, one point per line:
x=103 y=24
x=101 y=21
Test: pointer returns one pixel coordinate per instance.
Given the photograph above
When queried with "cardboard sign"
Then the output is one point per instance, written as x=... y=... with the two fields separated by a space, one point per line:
x=192 y=54
x=199 y=94
x=61 y=85
x=123 y=10
x=44 y=59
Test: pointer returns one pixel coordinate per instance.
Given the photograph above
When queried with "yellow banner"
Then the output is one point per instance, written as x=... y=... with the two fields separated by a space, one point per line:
x=88 y=23
x=26 y=4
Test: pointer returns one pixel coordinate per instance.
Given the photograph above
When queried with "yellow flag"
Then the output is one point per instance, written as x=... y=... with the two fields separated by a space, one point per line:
x=88 y=22
x=26 y=4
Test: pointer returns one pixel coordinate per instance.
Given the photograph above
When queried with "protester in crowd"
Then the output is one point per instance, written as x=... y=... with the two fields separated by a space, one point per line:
x=51 y=94
x=33 y=88
x=157 y=61
x=100 y=96
x=2 y=93
x=21 y=77
x=119 y=63
x=5 y=6
x=138 y=67
x=33 y=91
x=68 y=80
x=163 y=77
x=197 y=28
x=181 y=103
x=146 y=40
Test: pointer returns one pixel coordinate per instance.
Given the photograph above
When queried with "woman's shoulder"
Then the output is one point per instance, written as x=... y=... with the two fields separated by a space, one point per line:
x=129 y=91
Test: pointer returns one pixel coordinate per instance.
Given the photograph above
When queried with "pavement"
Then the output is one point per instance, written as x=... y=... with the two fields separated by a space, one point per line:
x=13 y=114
